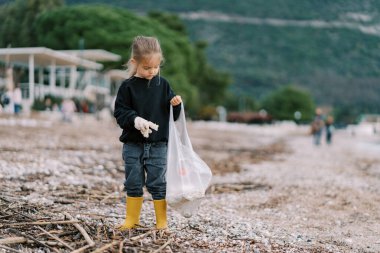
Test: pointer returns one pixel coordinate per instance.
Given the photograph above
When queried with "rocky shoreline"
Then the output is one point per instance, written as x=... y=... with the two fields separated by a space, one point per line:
x=272 y=191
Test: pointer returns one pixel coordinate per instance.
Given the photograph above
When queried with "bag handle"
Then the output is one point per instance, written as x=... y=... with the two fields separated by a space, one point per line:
x=180 y=126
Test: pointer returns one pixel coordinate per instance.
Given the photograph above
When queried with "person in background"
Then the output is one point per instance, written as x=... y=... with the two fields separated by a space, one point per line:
x=48 y=104
x=8 y=102
x=4 y=100
x=142 y=109
x=17 y=100
x=68 y=109
x=329 y=129
x=317 y=127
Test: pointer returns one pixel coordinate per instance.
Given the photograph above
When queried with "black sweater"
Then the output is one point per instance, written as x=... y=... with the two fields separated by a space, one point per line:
x=139 y=97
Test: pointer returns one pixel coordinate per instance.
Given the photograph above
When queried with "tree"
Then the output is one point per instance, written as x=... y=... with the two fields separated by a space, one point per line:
x=283 y=103
x=113 y=29
x=17 y=26
x=172 y=21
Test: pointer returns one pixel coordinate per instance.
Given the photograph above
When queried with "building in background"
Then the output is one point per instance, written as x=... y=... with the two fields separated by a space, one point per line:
x=40 y=71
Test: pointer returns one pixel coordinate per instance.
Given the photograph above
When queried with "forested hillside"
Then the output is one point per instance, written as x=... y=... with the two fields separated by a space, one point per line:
x=328 y=48
x=53 y=24
x=331 y=48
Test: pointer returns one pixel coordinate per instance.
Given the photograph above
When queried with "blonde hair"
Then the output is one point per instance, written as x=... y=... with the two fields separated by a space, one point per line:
x=142 y=48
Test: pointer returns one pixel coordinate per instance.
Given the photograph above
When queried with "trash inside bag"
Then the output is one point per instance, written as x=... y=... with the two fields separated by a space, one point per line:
x=187 y=175
x=187 y=208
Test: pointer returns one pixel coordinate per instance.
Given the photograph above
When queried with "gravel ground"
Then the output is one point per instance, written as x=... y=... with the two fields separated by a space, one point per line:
x=272 y=190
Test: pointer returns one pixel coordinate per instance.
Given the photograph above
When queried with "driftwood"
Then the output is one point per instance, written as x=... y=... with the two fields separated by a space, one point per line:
x=101 y=215
x=56 y=238
x=141 y=236
x=36 y=226
x=42 y=223
x=82 y=249
x=107 y=246
x=81 y=230
x=32 y=238
x=9 y=249
x=13 y=240
x=237 y=187
x=163 y=246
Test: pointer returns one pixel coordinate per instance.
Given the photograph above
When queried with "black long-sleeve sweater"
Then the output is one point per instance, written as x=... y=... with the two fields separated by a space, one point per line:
x=139 y=97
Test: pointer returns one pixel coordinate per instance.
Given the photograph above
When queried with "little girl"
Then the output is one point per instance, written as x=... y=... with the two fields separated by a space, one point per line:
x=142 y=108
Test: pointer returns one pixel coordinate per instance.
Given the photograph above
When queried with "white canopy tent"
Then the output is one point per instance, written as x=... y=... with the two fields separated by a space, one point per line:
x=98 y=55
x=42 y=56
x=39 y=58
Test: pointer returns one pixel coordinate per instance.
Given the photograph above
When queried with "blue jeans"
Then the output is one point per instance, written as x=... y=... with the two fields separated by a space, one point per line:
x=317 y=137
x=17 y=108
x=145 y=165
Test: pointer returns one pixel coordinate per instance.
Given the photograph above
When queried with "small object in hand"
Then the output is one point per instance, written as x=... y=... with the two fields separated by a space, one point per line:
x=146 y=131
x=153 y=126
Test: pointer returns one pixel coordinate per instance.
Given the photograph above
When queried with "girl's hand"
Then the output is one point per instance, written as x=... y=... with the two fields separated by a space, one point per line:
x=176 y=100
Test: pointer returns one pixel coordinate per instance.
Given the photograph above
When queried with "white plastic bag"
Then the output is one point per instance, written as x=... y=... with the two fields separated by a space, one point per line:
x=187 y=175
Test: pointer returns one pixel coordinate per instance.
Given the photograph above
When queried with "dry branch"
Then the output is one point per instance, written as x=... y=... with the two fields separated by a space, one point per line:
x=112 y=194
x=9 y=249
x=138 y=237
x=42 y=223
x=121 y=247
x=107 y=246
x=81 y=249
x=13 y=240
x=163 y=246
x=56 y=238
x=101 y=215
x=32 y=238
x=81 y=230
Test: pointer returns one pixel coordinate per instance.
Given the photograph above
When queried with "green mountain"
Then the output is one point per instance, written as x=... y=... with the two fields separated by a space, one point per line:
x=53 y=24
x=330 y=48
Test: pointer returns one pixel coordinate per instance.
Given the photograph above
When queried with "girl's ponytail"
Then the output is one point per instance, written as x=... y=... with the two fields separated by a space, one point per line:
x=141 y=48
x=131 y=69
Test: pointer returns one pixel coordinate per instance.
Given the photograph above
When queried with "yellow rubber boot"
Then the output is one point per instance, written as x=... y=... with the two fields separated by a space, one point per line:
x=132 y=216
x=160 y=210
